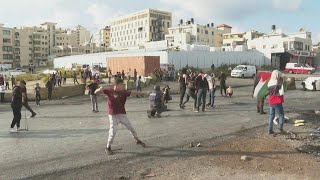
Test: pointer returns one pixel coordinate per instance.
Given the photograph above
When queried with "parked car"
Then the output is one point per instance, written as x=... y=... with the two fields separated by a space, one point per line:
x=17 y=70
x=299 y=68
x=244 y=71
x=48 y=71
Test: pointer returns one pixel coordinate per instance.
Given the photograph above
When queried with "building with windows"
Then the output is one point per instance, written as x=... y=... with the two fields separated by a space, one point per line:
x=33 y=46
x=194 y=34
x=103 y=37
x=135 y=29
x=277 y=46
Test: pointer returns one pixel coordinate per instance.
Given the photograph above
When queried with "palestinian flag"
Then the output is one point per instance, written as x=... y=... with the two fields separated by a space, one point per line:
x=261 y=90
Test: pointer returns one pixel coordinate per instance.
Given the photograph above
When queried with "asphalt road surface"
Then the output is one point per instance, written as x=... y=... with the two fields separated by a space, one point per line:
x=66 y=136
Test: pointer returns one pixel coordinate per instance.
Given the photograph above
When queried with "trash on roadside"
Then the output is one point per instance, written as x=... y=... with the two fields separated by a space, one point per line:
x=244 y=158
x=299 y=121
x=191 y=145
x=199 y=145
x=317 y=112
x=150 y=175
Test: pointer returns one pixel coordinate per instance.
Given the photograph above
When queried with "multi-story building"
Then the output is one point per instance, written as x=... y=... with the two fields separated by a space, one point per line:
x=33 y=46
x=69 y=50
x=190 y=33
x=136 y=29
x=103 y=37
x=278 y=47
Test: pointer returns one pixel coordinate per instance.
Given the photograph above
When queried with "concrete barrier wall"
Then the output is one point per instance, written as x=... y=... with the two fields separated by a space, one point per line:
x=58 y=92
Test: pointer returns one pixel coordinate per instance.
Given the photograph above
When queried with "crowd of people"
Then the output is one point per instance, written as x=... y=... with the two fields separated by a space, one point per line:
x=197 y=85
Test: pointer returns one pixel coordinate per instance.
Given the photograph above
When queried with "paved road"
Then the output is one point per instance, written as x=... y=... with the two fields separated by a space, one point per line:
x=66 y=135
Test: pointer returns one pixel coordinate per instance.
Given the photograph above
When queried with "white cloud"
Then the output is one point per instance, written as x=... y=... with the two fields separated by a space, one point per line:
x=213 y=10
x=286 y=4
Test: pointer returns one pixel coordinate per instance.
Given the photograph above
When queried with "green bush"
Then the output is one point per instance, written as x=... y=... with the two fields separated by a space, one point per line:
x=29 y=77
x=45 y=79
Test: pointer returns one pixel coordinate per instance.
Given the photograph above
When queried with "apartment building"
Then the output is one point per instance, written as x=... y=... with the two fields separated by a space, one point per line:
x=103 y=37
x=33 y=46
x=187 y=32
x=69 y=50
x=136 y=29
x=277 y=46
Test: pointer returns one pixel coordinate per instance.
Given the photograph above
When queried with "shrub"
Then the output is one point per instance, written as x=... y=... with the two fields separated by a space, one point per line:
x=45 y=79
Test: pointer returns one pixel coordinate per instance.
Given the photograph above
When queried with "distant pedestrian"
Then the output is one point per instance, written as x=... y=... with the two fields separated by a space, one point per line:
x=54 y=79
x=212 y=91
x=117 y=97
x=13 y=81
x=25 y=99
x=65 y=78
x=74 y=76
x=2 y=92
x=182 y=85
x=1 y=79
x=92 y=88
x=49 y=87
x=139 y=84
x=37 y=91
x=156 y=103
x=135 y=75
x=202 y=88
x=223 y=88
x=191 y=91
x=59 y=79
x=109 y=76
x=122 y=75
x=7 y=79
x=16 y=105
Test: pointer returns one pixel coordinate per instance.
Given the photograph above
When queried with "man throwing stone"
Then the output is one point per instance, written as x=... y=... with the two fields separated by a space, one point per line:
x=117 y=114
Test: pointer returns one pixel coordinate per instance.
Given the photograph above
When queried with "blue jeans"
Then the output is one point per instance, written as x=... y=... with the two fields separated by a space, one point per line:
x=211 y=97
x=273 y=109
x=201 y=99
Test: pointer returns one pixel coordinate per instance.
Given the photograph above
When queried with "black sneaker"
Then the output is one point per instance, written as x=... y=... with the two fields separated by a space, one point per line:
x=262 y=113
x=282 y=131
x=271 y=132
x=33 y=115
x=108 y=151
x=141 y=143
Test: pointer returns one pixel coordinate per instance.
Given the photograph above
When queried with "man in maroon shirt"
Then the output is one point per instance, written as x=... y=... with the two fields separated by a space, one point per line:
x=116 y=109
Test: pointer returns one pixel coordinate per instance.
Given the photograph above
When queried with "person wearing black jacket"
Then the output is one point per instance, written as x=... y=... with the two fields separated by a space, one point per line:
x=202 y=87
x=16 y=105
x=223 y=88
x=92 y=88
x=49 y=87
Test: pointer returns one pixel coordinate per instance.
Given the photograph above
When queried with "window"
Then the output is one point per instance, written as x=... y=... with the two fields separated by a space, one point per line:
x=212 y=33
x=6 y=32
x=264 y=46
x=140 y=29
x=17 y=57
x=201 y=31
x=198 y=30
x=6 y=40
x=7 y=56
x=168 y=24
x=206 y=31
x=7 y=48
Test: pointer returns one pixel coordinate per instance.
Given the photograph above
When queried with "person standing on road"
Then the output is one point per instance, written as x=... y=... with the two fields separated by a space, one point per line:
x=1 y=79
x=109 y=76
x=65 y=78
x=276 y=99
x=2 y=92
x=182 y=85
x=7 y=79
x=260 y=100
x=139 y=84
x=16 y=105
x=59 y=78
x=191 y=91
x=74 y=76
x=117 y=114
x=92 y=88
x=25 y=99
x=223 y=88
x=37 y=90
x=49 y=87
x=135 y=75
x=13 y=81
x=202 y=87
x=212 y=90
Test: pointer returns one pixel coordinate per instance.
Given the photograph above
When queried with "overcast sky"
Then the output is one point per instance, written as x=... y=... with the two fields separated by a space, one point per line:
x=243 y=15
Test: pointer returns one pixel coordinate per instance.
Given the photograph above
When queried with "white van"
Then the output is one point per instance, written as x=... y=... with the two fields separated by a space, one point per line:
x=244 y=71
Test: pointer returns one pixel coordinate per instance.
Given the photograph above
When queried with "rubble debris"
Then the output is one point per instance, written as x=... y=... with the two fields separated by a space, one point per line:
x=317 y=112
x=299 y=121
x=299 y=124
x=191 y=145
x=199 y=145
x=310 y=149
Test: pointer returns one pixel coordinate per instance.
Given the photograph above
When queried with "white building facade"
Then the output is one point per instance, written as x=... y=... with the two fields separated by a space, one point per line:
x=189 y=33
x=279 y=47
x=136 y=29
